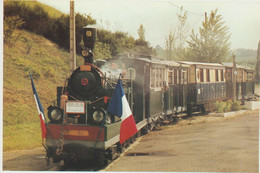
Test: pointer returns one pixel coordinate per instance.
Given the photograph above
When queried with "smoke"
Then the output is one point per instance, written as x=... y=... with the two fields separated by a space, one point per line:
x=113 y=69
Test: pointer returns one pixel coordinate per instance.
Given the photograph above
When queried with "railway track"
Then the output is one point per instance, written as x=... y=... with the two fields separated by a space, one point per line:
x=91 y=165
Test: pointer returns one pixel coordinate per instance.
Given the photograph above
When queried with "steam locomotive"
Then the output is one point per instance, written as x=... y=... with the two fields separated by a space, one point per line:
x=80 y=126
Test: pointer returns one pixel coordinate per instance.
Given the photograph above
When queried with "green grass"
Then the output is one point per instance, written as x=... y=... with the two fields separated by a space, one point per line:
x=21 y=136
x=50 y=66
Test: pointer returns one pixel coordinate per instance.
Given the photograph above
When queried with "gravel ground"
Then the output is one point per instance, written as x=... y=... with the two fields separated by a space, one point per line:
x=197 y=144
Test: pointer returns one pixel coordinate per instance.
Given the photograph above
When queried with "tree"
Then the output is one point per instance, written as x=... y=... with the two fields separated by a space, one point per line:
x=141 y=32
x=141 y=45
x=11 y=23
x=119 y=42
x=177 y=38
x=212 y=44
x=170 y=46
x=102 y=51
x=182 y=29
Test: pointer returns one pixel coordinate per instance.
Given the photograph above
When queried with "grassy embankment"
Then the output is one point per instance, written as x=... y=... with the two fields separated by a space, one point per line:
x=50 y=66
x=52 y=12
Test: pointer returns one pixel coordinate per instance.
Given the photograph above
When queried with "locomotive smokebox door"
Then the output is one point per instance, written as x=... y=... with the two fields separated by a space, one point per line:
x=89 y=37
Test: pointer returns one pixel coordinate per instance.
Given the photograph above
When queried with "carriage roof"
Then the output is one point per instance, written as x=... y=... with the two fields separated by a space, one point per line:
x=229 y=64
x=201 y=63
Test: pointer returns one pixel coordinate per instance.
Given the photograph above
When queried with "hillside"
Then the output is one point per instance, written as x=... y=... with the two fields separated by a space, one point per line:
x=49 y=66
x=50 y=10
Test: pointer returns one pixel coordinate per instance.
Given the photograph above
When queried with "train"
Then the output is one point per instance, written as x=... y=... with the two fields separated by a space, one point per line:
x=81 y=128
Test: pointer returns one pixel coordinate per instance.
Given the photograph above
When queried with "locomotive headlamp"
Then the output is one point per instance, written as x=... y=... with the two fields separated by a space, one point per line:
x=55 y=114
x=84 y=52
x=98 y=116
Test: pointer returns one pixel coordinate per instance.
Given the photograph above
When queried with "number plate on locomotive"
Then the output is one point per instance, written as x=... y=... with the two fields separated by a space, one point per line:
x=73 y=107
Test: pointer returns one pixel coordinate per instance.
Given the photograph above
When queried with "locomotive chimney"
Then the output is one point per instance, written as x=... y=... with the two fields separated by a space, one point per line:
x=89 y=39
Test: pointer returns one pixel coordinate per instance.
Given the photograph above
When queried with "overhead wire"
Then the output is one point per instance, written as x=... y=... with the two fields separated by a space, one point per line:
x=156 y=26
x=185 y=9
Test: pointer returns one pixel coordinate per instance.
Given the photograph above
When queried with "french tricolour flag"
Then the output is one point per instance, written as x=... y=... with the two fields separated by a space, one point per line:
x=40 y=110
x=119 y=106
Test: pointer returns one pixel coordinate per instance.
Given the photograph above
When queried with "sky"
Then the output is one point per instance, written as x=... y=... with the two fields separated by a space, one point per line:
x=159 y=17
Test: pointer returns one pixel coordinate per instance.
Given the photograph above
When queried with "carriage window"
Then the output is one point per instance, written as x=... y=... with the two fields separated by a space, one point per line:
x=157 y=77
x=207 y=75
x=216 y=74
x=161 y=78
x=201 y=75
x=184 y=76
x=250 y=76
x=175 y=76
x=228 y=74
x=170 y=77
x=221 y=75
x=170 y=81
x=152 y=77
x=179 y=76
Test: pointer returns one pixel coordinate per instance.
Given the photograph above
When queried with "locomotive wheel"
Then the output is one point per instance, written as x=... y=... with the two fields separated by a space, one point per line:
x=202 y=109
x=189 y=110
x=132 y=139
x=138 y=134
x=69 y=162
x=144 y=130
x=100 y=159
x=120 y=148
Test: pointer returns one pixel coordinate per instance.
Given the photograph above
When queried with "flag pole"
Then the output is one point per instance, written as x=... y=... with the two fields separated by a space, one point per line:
x=45 y=120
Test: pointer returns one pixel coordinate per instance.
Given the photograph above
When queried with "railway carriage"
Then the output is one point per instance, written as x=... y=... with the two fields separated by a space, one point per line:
x=244 y=81
x=248 y=85
x=160 y=87
x=206 y=84
x=175 y=96
x=158 y=91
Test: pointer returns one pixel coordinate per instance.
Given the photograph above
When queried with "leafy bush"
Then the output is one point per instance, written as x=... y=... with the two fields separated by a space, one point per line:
x=219 y=106
x=235 y=106
x=227 y=106
x=11 y=23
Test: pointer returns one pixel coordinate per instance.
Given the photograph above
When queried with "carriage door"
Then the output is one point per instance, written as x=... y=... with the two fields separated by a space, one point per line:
x=147 y=90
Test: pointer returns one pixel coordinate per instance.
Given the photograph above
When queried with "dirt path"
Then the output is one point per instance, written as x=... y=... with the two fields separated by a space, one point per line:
x=196 y=145
x=25 y=160
x=199 y=143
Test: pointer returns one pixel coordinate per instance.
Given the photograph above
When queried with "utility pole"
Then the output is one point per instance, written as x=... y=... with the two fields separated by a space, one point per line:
x=257 y=69
x=234 y=77
x=72 y=37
